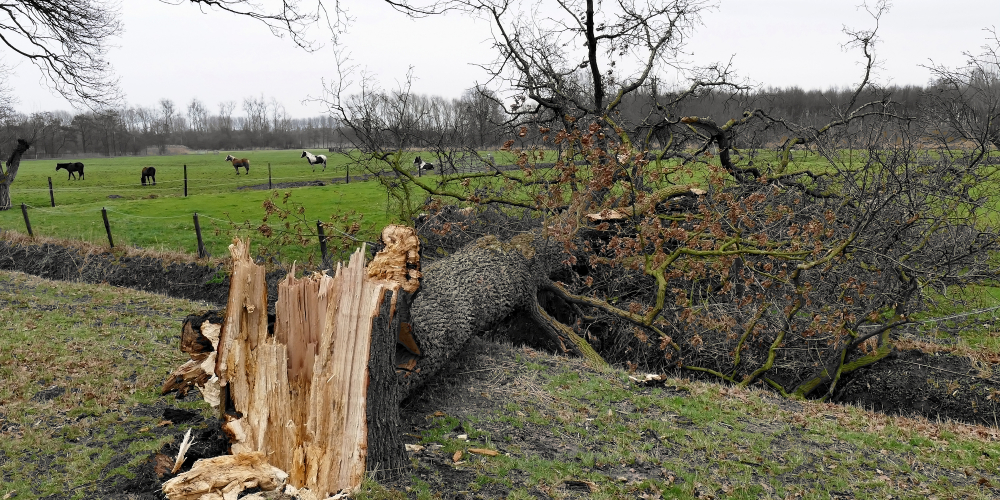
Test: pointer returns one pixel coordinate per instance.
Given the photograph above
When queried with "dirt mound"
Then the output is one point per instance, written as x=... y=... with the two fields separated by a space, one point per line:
x=933 y=385
x=187 y=280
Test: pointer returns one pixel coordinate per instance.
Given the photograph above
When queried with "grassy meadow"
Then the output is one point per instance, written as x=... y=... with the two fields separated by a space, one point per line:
x=161 y=217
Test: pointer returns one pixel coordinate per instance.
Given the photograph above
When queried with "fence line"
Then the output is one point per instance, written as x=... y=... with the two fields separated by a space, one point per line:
x=179 y=181
x=202 y=251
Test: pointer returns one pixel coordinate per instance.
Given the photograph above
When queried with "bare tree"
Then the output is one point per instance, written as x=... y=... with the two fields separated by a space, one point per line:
x=256 y=124
x=198 y=116
x=226 y=109
x=68 y=41
x=965 y=101
x=9 y=173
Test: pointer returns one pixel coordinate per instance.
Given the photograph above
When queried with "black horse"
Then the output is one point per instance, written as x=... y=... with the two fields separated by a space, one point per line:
x=150 y=174
x=73 y=169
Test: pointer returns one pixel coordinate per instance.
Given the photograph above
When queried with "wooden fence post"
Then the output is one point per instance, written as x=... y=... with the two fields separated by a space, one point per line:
x=348 y=176
x=107 y=227
x=322 y=244
x=201 y=245
x=27 y=223
x=269 y=176
x=52 y=197
x=185 y=181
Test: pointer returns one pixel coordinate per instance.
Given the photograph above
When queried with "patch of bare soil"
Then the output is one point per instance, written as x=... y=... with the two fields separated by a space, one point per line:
x=187 y=280
x=147 y=479
x=932 y=385
x=282 y=185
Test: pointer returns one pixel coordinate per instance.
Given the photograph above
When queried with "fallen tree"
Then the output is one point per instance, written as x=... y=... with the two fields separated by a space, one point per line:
x=318 y=390
x=673 y=241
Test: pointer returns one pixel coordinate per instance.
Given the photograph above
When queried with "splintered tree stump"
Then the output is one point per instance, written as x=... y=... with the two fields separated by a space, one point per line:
x=318 y=396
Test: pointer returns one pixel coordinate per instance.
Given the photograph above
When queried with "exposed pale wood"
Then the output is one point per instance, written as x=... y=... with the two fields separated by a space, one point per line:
x=199 y=339
x=399 y=261
x=224 y=477
x=301 y=396
x=185 y=446
x=184 y=377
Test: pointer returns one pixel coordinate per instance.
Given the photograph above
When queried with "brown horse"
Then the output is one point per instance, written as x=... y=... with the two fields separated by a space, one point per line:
x=239 y=162
x=148 y=173
x=73 y=169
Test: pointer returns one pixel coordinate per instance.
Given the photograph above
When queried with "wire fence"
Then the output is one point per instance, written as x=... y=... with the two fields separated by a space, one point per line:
x=114 y=218
x=110 y=216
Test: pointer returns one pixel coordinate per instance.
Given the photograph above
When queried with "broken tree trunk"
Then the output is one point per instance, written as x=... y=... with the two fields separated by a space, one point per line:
x=317 y=396
x=298 y=394
x=474 y=289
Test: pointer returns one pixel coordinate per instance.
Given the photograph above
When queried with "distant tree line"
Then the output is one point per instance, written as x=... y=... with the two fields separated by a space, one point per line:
x=477 y=119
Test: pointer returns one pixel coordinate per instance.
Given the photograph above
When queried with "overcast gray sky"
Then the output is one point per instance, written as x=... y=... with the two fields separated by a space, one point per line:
x=179 y=53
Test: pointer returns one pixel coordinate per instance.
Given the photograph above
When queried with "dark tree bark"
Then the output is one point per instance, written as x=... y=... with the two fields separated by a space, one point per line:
x=386 y=454
x=8 y=174
x=475 y=289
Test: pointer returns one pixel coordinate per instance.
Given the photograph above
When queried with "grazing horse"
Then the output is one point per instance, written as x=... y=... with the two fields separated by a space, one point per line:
x=239 y=162
x=423 y=165
x=148 y=173
x=73 y=168
x=314 y=159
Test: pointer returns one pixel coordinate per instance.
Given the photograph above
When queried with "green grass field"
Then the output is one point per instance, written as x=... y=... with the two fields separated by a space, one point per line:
x=160 y=217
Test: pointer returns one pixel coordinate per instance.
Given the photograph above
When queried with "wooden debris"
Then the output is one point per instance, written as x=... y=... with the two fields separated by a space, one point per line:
x=224 y=477
x=647 y=379
x=484 y=451
x=457 y=456
x=606 y=214
x=200 y=339
x=185 y=445
x=581 y=485
x=399 y=261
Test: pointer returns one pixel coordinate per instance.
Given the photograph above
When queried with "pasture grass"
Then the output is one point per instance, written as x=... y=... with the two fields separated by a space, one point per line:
x=100 y=353
x=552 y=420
x=161 y=217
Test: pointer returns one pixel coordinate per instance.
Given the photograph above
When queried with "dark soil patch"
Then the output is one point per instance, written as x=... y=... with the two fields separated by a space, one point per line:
x=282 y=185
x=287 y=185
x=145 y=481
x=932 y=385
x=186 y=280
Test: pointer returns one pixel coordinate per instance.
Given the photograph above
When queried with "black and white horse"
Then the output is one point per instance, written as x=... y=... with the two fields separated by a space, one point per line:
x=73 y=169
x=148 y=173
x=423 y=165
x=239 y=162
x=314 y=159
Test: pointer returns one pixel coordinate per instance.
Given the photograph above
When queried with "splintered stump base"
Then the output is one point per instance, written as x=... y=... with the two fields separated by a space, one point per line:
x=318 y=396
